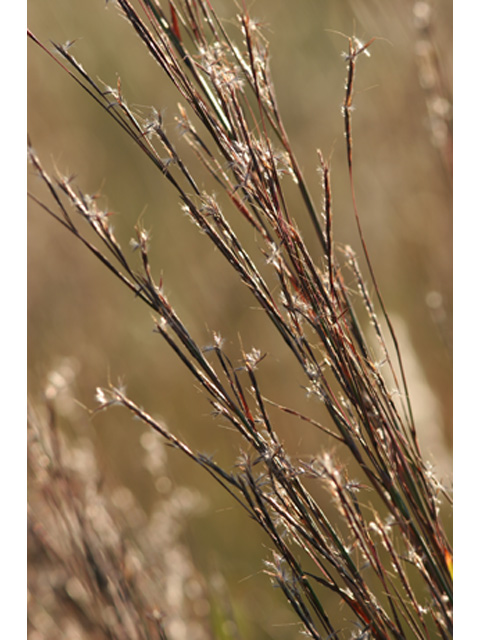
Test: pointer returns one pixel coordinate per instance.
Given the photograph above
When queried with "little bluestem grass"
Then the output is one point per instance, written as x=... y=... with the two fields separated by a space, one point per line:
x=385 y=555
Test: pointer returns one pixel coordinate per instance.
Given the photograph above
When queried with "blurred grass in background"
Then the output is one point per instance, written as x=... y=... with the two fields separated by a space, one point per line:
x=81 y=320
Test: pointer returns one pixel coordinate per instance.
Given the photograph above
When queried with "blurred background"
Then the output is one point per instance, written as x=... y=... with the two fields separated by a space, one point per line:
x=85 y=329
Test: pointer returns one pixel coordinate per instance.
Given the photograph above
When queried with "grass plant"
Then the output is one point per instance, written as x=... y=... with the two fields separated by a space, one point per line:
x=384 y=555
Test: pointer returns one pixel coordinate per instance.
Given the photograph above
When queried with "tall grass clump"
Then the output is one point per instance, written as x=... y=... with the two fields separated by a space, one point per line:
x=91 y=543
x=383 y=554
